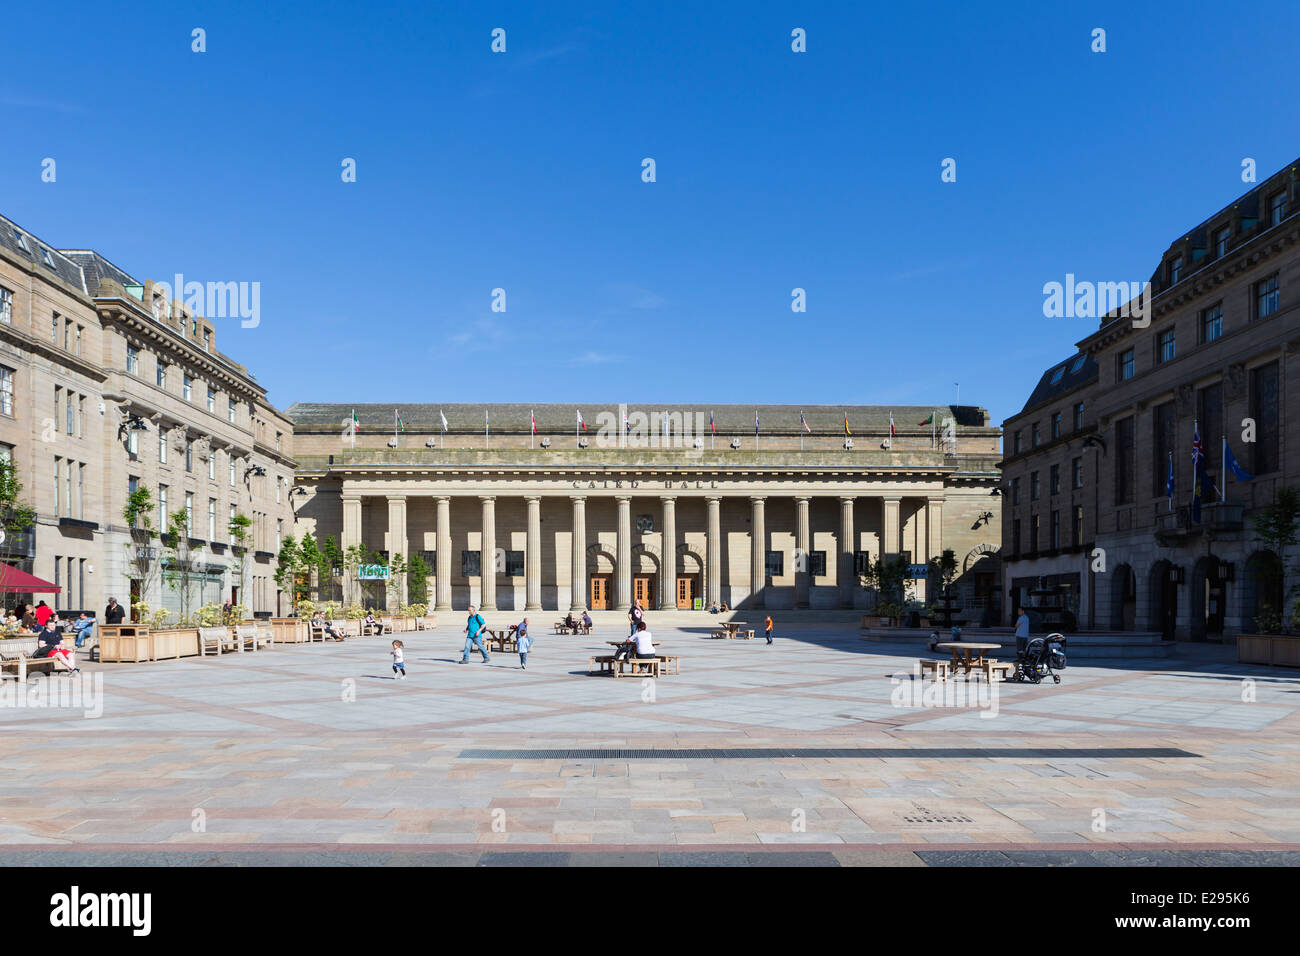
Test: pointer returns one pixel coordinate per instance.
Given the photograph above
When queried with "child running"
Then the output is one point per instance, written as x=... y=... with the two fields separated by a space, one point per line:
x=399 y=662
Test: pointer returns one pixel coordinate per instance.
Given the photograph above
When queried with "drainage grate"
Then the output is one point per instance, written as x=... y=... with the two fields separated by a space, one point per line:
x=831 y=753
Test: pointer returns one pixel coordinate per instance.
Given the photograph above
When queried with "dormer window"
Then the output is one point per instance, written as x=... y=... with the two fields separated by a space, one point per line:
x=158 y=307
x=1276 y=208
x=1175 y=270
x=1057 y=375
x=1221 y=242
x=46 y=257
x=21 y=240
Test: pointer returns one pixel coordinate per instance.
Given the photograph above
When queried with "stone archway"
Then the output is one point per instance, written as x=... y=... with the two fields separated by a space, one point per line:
x=1260 y=587
x=602 y=567
x=1162 y=600
x=1207 y=599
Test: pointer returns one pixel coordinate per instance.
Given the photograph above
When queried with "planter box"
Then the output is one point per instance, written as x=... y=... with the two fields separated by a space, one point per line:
x=123 y=643
x=1282 y=650
x=174 y=642
x=288 y=630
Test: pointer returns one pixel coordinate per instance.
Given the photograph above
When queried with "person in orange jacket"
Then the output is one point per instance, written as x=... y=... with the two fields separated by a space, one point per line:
x=767 y=627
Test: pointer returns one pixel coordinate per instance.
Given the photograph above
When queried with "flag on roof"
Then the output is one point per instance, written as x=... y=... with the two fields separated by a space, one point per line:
x=444 y=419
x=846 y=424
x=928 y=421
x=891 y=424
x=532 y=419
x=400 y=425
x=803 y=423
x=581 y=423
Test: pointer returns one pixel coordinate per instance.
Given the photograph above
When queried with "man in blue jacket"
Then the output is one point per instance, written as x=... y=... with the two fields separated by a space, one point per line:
x=473 y=628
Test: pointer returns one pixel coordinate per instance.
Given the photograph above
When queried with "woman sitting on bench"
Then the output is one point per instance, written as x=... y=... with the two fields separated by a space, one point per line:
x=640 y=647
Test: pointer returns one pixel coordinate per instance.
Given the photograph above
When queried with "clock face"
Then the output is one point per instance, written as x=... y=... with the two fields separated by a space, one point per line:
x=645 y=524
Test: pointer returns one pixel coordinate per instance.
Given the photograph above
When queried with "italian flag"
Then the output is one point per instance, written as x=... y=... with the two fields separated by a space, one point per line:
x=928 y=421
x=891 y=424
x=400 y=425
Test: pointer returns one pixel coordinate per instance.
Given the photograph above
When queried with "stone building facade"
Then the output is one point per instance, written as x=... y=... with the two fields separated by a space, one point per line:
x=1219 y=356
x=107 y=385
x=668 y=506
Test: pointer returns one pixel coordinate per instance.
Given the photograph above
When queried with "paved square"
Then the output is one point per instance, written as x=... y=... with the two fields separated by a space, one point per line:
x=315 y=747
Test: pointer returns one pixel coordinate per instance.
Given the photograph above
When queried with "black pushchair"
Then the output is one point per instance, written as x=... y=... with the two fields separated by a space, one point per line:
x=1041 y=657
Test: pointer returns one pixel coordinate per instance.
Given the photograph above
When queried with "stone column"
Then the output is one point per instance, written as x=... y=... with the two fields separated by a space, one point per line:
x=442 y=589
x=713 y=557
x=846 y=578
x=623 y=577
x=668 y=560
x=578 y=570
x=889 y=513
x=803 y=551
x=757 y=552
x=934 y=527
x=351 y=536
x=533 y=556
x=487 y=557
x=397 y=540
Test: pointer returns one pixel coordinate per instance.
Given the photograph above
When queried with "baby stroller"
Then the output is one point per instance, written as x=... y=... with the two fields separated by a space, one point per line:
x=1041 y=657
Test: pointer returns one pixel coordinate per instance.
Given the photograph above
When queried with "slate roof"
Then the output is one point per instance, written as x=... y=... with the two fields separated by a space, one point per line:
x=95 y=267
x=58 y=264
x=1074 y=375
x=561 y=418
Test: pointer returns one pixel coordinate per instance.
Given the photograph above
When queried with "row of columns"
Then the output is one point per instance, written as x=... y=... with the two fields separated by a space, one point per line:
x=397 y=544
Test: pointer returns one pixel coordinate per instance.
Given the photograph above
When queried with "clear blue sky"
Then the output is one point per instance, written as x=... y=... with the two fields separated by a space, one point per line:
x=523 y=171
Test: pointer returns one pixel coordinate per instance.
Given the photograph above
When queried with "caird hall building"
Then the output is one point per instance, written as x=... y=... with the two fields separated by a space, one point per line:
x=676 y=507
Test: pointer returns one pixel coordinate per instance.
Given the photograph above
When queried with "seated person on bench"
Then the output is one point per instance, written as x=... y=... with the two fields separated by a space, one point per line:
x=50 y=644
x=84 y=627
x=569 y=622
x=373 y=622
x=641 y=646
x=333 y=629
x=586 y=620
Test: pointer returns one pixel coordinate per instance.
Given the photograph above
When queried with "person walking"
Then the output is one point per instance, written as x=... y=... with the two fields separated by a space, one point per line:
x=399 y=660
x=113 y=613
x=523 y=642
x=473 y=628
x=767 y=628
x=1022 y=630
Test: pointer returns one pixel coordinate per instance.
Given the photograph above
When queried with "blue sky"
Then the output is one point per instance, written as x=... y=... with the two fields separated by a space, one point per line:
x=522 y=171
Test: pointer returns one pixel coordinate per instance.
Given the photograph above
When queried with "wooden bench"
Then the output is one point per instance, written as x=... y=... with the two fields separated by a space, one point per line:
x=670 y=664
x=23 y=665
x=638 y=665
x=252 y=636
x=216 y=639
x=999 y=670
x=601 y=665
x=941 y=669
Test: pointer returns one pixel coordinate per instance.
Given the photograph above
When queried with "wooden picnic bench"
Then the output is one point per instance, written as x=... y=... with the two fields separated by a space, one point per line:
x=620 y=667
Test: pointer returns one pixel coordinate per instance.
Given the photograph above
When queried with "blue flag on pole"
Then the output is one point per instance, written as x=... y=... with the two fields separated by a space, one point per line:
x=1230 y=460
x=1169 y=482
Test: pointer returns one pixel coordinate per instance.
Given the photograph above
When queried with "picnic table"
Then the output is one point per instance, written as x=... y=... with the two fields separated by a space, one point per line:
x=970 y=656
x=502 y=638
x=579 y=628
x=729 y=630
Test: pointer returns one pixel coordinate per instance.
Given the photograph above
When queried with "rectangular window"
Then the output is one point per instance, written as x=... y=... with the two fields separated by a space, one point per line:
x=187 y=387
x=162 y=508
x=212 y=400
x=231 y=523
x=1033 y=486
x=1276 y=208
x=54 y=329
x=1165 y=345
x=212 y=519
x=58 y=469
x=1266 y=297
x=1124 y=450
x=230 y=411
x=1221 y=242
x=1076 y=473
x=1076 y=526
x=6 y=306
x=1033 y=533
x=1078 y=417
x=1124 y=365
x=132 y=360
x=861 y=562
x=1211 y=323
x=279 y=533
x=133 y=442
x=162 y=446
x=6 y=390
x=1055 y=530
x=1056 y=425
x=189 y=514
x=817 y=563
x=1033 y=435
x=207 y=340
x=232 y=471
x=1015 y=536
x=1015 y=491
x=1016 y=443
x=514 y=564
x=469 y=564
x=212 y=465
x=189 y=456
x=160 y=375
x=1054 y=480
x=1164 y=440
x=70 y=415
x=79 y=331
x=1264 y=408
x=1209 y=409
x=1175 y=270
x=278 y=486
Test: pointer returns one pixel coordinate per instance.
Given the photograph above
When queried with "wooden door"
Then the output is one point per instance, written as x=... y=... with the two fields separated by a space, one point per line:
x=688 y=589
x=600 y=592
x=643 y=590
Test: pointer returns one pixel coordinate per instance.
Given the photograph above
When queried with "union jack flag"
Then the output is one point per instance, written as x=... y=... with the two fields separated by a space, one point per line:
x=1198 y=452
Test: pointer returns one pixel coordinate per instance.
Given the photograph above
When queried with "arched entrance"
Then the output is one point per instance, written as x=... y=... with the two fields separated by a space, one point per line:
x=1162 y=588
x=645 y=577
x=1123 y=599
x=601 y=564
x=690 y=578
x=1207 y=599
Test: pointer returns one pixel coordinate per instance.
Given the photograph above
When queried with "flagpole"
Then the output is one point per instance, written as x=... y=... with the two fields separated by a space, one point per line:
x=1223 y=468
x=801 y=429
x=1170 y=473
x=532 y=428
x=713 y=430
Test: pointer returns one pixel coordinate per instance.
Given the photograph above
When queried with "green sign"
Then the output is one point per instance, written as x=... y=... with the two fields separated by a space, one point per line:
x=372 y=572
x=699 y=604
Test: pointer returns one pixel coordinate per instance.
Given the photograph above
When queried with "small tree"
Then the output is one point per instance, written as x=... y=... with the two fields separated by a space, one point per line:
x=417 y=580
x=311 y=565
x=889 y=579
x=942 y=572
x=141 y=556
x=396 y=577
x=289 y=568
x=16 y=515
x=239 y=535
x=178 y=571
x=332 y=564
x=1277 y=527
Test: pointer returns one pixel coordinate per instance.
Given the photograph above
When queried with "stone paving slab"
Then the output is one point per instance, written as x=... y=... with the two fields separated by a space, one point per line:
x=306 y=751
